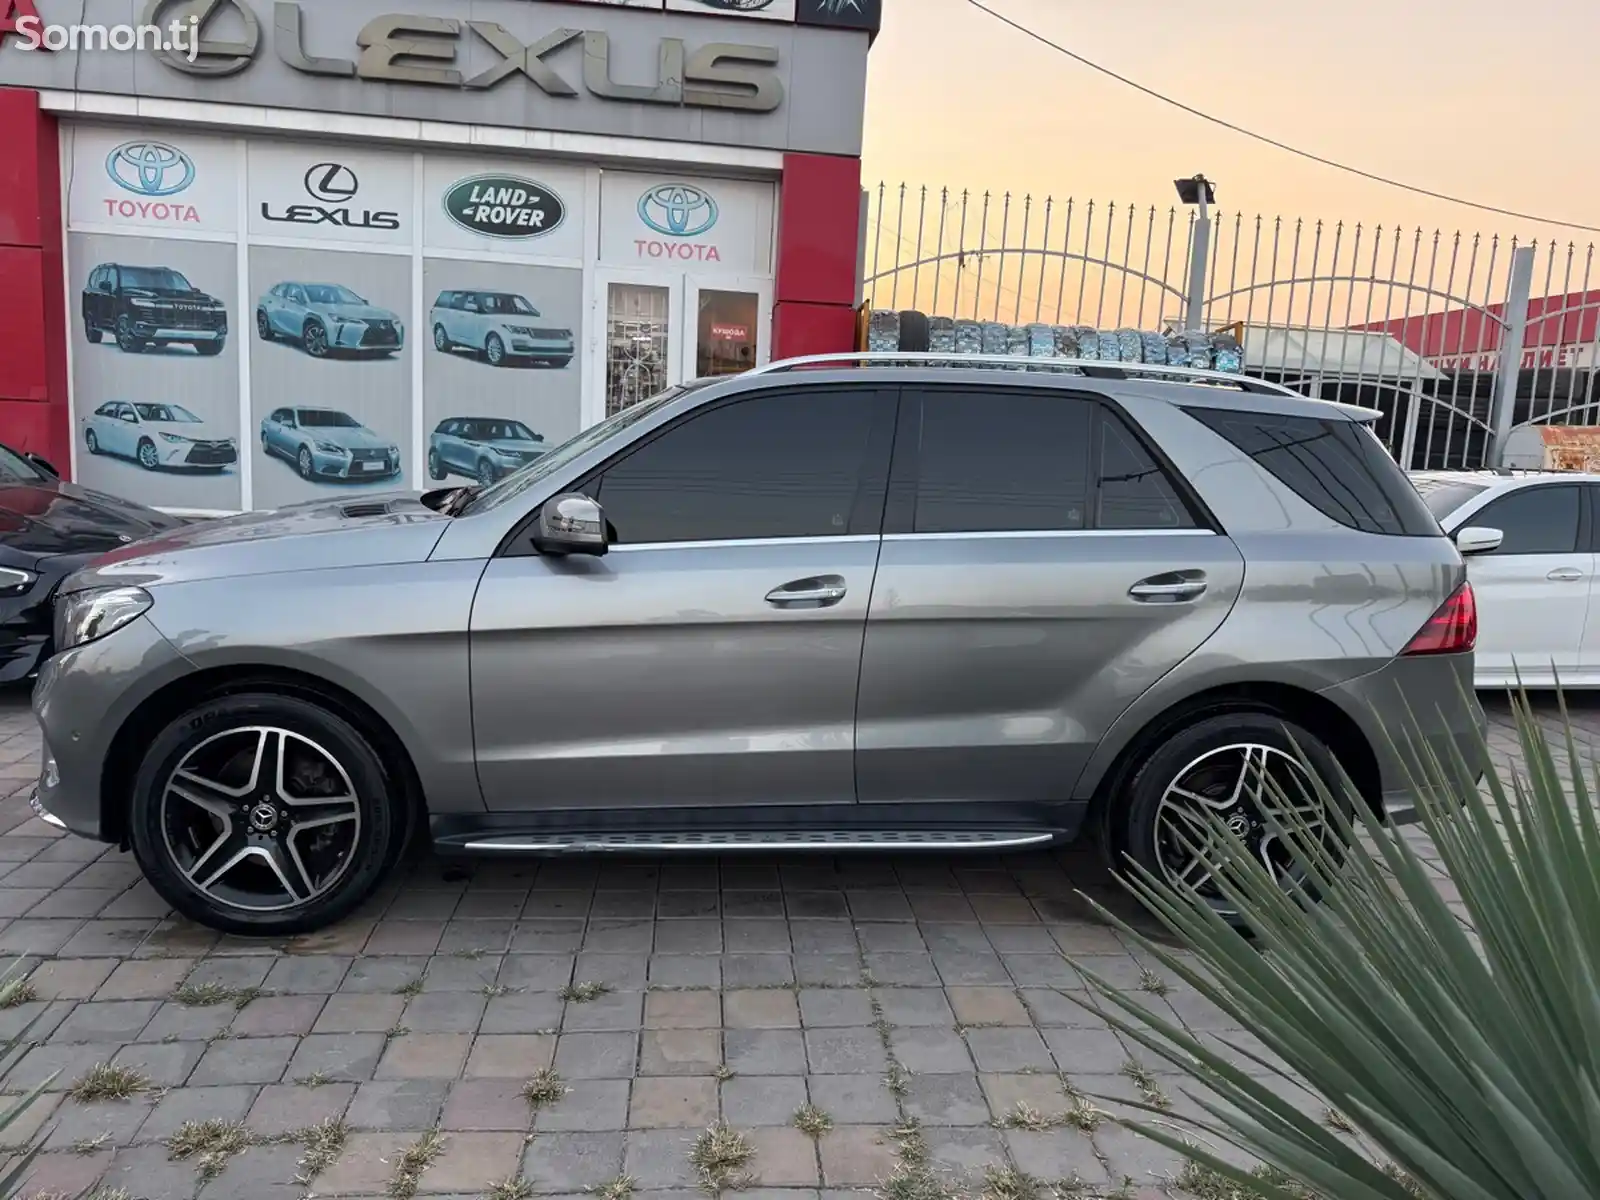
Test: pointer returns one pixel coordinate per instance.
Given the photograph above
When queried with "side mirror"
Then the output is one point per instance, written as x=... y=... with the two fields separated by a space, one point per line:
x=571 y=524
x=1477 y=539
x=43 y=464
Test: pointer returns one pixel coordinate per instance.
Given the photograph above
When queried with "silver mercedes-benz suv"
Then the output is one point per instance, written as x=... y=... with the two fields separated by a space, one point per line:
x=857 y=602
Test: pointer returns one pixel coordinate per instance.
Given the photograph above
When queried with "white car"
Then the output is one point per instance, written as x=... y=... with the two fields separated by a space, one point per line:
x=1529 y=541
x=157 y=437
x=499 y=327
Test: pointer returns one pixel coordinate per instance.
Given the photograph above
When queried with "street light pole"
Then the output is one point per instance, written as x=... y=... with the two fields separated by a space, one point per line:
x=1202 y=193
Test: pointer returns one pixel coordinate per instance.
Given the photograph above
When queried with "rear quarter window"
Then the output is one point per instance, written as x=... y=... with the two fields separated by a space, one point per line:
x=1334 y=464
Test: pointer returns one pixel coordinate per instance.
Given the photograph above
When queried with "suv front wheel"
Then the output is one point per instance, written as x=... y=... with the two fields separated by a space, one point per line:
x=264 y=814
x=1220 y=763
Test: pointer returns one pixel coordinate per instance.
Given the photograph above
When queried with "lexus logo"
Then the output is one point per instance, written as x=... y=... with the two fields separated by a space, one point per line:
x=332 y=183
x=213 y=56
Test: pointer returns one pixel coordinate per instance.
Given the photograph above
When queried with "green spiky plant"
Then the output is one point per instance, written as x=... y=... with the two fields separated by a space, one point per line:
x=1462 y=1052
x=15 y=990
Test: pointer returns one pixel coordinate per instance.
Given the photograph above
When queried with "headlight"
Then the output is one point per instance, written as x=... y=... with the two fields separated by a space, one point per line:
x=14 y=581
x=140 y=302
x=84 y=616
x=177 y=439
x=230 y=443
x=331 y=448
x=394 y=451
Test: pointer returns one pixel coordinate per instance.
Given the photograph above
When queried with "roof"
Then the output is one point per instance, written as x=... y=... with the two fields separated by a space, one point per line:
x=1358 y=354
x=1565 y=320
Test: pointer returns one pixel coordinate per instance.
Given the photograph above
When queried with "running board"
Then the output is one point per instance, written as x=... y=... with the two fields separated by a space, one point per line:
x=725 y=841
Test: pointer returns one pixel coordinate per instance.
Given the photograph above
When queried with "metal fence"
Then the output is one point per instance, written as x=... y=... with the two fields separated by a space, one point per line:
x=1457 y=338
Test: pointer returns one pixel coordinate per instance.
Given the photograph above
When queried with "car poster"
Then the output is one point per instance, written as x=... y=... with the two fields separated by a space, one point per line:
x=155 y=370
x=330 y=373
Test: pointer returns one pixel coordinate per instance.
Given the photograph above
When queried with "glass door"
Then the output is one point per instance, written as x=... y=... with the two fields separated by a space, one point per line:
x=732 y=328
x=641 y=321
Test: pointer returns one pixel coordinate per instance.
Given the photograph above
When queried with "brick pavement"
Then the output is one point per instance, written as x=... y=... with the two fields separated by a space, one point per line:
x=912 y=1003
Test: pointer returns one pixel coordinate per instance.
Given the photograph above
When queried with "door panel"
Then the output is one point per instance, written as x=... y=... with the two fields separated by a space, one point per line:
x=661 y=675
x=1533 y=593
x=994 y=664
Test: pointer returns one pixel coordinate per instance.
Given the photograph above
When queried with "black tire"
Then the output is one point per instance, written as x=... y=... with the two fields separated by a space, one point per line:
x=441 y=340
x=264 y=326
x=147 y=456
x=913 y=331
x=305 y=464
x=487 y=475
x=314 y=337
x=93 y=333
x=91 y=441
x=1130 y=823
x=209 y=349
x=378 y=800
x=435 y=465
x=126 y=341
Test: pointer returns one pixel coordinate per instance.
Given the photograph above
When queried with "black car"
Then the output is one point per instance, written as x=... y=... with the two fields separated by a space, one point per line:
x=151 y=306
x=48 y=529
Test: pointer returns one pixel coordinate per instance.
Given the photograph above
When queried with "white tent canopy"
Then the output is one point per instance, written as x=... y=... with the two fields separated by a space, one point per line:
x=1352 y=354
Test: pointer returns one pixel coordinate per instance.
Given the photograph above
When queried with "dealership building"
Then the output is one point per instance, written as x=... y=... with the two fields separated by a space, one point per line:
x=272 y=251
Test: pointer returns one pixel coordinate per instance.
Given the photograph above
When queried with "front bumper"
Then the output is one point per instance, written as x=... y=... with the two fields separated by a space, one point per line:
x=1412 y=710
x=524 y=347
x=345 y=466
x=188 y=456
x=82 y=698
x=364 y=337
x=164 y=333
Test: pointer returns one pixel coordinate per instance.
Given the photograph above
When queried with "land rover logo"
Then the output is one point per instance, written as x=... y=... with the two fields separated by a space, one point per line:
x=503 y=206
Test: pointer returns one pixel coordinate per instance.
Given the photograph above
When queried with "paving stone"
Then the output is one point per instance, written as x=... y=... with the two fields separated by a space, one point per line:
x=525 y=1012
x=188 y=1023
x=365 y=1166
x=197 y=1104
x=835 y=1007
x=278 y=1015
x=616 y=1010
x=110 y=938
x=1085 y=1051
x=784 y=1158
x=856 y=1156
x=384 y=975
x=902 y=969
x=537 y=972
x=913 y=1007
x=987 y=1006
x=1042 y=1093
x=164 y=1064
x=343 y=1057
x=487 y=1105
x=1001 y=1050
x=576 y=1162
x=283 y=1108
x=103 y=1123
x=260 y=1173
x=673 y=1102
x=763 y=1099
x=613 y=937
x=845 y=1051
x=508 y=1055
x=930 y=1051
x=70 y=979
x=397 y=1104
x=768 y=1009
x=359 y=1012
x=237 y=973
x=475 y=937
x=65 y=1062
x=597 y=1055
x=64 y=1174
x=106 y=1021
x=34 y=1021
x=562 y=936
x=405 y=937
x=964 y=1152
x=765 y=1051
x=685 y=971
x=24 y=1128
x=470 y=1162
x=682 y=1010
x=659 y=1158
x=245 y=1060
x=454 y=976
x=948 y=1100
x=828 y=969
x=853 y=1099
x=425 y=1056
x=1054 y=1154
x=758 y=971
x=680 y=1052
x=310 y=974
x=147 y=1171
x=1040 y=970
x=443 y=1012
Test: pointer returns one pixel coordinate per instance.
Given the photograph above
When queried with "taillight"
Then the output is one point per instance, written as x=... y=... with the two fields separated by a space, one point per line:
x=1451 y=630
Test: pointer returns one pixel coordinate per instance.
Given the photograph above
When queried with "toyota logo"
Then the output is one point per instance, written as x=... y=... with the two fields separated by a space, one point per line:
x=150 y=168
x=332 y=183
x=678 y=210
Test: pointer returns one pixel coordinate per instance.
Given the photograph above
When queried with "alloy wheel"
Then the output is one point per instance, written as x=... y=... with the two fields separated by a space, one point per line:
x=263 y=326
x=260 y=819
x=148 y=458
x=440 y=341
x=494 y=349
x=304 y=461
x=486 y=473
x=1251 y=787
x=316 y=339
x=91 y=441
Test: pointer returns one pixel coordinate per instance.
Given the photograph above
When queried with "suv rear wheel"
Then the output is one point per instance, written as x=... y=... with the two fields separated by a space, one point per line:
x=1217 y=763
x=264 y=814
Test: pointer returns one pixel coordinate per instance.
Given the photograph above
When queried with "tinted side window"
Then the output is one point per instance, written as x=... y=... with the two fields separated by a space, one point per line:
x=1135 y=492
x=1535 y=520
x=1335 y=465
x=781 y=466
x=1002 y=460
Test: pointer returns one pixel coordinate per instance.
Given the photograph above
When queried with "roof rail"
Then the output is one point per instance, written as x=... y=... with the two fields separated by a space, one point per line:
x=1093 y=368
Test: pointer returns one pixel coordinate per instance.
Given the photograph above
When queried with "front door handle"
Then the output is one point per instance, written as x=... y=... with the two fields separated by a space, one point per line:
x=1172 y=587
x=1565 y=574
x=822 y=591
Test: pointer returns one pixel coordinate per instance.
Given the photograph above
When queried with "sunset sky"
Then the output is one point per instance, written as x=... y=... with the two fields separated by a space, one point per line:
x=1477 y=98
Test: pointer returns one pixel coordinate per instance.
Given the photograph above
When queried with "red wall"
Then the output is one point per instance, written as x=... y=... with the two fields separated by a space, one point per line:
x=819 y=224
x=33 y=350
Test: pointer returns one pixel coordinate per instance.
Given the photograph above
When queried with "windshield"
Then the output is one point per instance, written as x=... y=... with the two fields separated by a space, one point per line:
x=321 y=418
x=505 y=431
x=503 y=302
x=1444 y=496
x=331 y=293
x=514 y=484
x=175 y=413
x=155 y=279
x=16 y=469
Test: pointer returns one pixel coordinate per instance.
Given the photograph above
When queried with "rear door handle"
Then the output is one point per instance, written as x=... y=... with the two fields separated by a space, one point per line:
x=1565 y=574
x=1173 y=587
x=820 y=592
